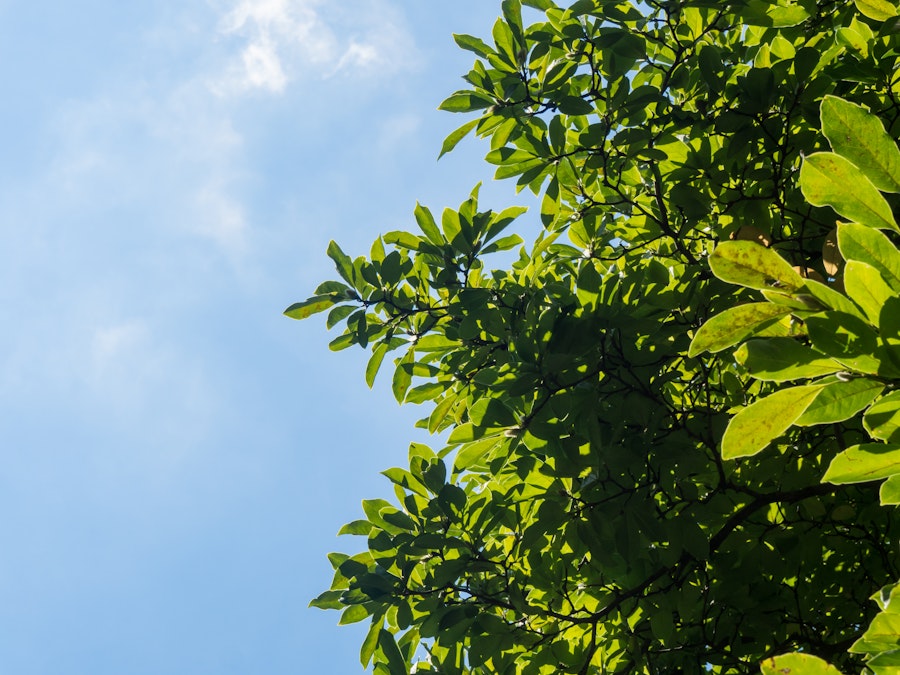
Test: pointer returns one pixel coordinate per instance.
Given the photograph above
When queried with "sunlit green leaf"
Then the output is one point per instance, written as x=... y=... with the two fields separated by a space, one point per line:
x=797 y=664
x=859 y=136
x=839 y=401
x=374 y=363
x=403 y=376
x=456 y=136
x=828 y=179
x=760 y=423
x=882 y=420
x=733 y=325
x=880 y=10
x=783 y=359
x=314 y=305
x=864 y=462
x=871 y=247
x=465 y=101
x=889 y=493
x=867 y=289
x=342 y=262
x=749 y=264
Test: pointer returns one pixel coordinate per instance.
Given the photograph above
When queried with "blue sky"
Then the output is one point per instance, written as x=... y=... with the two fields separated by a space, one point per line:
x=176 y=455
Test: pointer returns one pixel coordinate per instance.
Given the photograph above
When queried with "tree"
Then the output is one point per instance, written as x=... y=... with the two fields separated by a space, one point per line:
x=585 y=513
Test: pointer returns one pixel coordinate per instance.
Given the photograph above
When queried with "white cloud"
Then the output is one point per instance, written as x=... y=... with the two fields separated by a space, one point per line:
x=142 y=204
x=284 y=40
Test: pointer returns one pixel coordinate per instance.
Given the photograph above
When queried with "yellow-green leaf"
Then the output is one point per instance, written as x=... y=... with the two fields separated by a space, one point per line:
x=375 y=363
x=757 y=425
x=890 y=491
x=865 y=286
x=783 y=359
x=747 y=263
x=839 y=401
x=797 y=664
x=733 y=325
x=314 y=305
x=403 y=376
x=880 y=10
x=864 y=244
x=827 y=179
x=858 y=135
x=882 y=420
x=864 y=462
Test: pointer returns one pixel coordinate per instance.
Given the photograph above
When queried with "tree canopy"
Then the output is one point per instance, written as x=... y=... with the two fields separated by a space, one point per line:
x=661 y=428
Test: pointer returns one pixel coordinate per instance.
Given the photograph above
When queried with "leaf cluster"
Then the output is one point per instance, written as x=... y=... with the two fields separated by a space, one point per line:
x=579 y=516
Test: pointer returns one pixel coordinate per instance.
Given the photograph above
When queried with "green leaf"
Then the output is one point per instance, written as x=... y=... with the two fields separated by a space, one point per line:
x=867 y=289
x=439 y=414
x=864 y=462
x=463 y=433
x=782 y=359
x=859 y=136
x=502 y=244
x=733 y=325
x=426 y=223
x=872 y=247
x=827 y=296
x=403 y=376
x=456 y=136
x=342 y=262
x=845 y=338
x=890 y=491
x=356 y=528
x=883 y=635
x=747 y=263
x=473 y=44
x=472 y=454
x=328 y=600
x=465 y=101
x=575 y=105
x=342 y=342
x=425 y=392
x=880 y=10
x=827 y=179
x=338 y=314
x=757 y=425
x=353 y=614
x=797 y=664
x=839 y=401
x=370 y=642
x=387 y=646
x=882 y=420
x=314 y=305
x=375 y=363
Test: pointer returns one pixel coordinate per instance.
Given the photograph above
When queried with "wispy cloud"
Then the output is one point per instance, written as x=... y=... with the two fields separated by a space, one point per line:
x=283 y=40
x=144 y=204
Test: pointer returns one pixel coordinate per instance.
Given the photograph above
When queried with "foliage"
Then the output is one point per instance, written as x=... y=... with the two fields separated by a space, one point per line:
x=580 y=517
x=846 y=348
